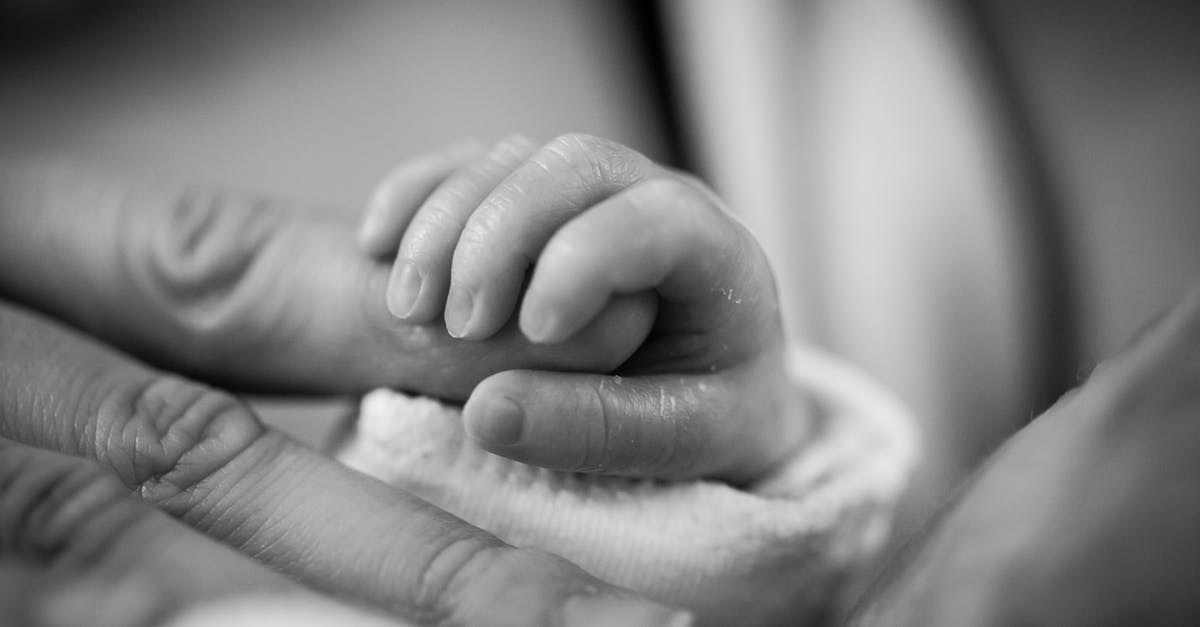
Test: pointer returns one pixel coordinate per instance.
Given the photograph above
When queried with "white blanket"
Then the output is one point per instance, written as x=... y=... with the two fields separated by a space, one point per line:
x=779 y=552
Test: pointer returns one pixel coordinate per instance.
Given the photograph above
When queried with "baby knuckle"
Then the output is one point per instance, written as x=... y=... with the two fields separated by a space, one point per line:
x=511 y=147
x=598 y=161
x=595 y=455
x=455 y=570
x=438 y=221
x=702 y=193
x=567 y=244
x=667 y=193
x=573 y=146
x=480 y=232
x=563 y=156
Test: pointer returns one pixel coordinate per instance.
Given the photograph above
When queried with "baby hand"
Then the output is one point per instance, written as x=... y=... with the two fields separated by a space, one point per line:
x=704 y=393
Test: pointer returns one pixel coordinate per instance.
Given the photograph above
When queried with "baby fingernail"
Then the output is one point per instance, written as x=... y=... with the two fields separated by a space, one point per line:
x=537 y=325
x=403 y=291
x=584 y=611
x=499 y=421
x=459 y=306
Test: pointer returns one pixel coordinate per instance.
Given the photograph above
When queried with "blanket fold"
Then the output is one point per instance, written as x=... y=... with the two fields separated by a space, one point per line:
x=781 y=551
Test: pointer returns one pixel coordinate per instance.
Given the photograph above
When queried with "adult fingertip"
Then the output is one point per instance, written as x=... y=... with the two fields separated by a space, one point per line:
x=602 y=611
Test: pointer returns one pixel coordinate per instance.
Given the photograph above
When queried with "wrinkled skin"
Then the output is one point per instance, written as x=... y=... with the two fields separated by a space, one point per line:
x=553 y=236
x=123 y=299
x=1088 y=516
x=245 y=290
x=110 y=463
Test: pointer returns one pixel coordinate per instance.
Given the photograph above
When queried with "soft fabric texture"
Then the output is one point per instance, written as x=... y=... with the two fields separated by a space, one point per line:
x=262 y=609
x=778 y=552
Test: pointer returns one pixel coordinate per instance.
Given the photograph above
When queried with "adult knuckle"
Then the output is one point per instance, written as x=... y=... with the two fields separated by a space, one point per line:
x=52 y=505
x=455 y=568
x=198 y=257
x=164 y=436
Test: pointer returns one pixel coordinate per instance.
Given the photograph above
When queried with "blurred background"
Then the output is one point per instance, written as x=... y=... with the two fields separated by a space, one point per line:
x=975 y=201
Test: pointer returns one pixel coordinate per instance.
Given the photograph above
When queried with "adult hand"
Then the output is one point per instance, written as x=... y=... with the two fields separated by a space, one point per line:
x=236 y=290
x=704 y=395
x=246 y=291
x=1088 y=516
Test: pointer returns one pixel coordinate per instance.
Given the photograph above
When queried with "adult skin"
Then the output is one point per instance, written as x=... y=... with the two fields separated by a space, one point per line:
x=113 y=285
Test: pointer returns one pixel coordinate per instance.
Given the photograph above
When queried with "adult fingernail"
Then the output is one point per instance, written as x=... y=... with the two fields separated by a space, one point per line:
x=585 y=611
x=403 y=290
x=458 y=311
x=496 y=421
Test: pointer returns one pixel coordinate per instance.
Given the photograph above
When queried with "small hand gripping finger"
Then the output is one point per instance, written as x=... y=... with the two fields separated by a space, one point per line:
x=421 y=274
x=660 y=426
x=246 y=290
x=664 y=234
x=506 y=233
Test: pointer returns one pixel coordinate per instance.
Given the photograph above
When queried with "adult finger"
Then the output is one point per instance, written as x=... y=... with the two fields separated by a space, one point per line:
x=203 y=457
x=105 y=557
x=506 y=233
x=734 y=425
x=244 y=291
x=421 y=275
x=396 y=199
x=663 y=234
